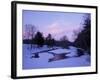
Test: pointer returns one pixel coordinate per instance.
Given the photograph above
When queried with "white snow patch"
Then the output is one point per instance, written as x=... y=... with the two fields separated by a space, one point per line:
x=42 y=61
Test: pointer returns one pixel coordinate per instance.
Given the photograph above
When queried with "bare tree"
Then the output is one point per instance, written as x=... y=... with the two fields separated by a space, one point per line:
x=29 y=33
x=30 y=30
x=64 y=41
x=64 y=38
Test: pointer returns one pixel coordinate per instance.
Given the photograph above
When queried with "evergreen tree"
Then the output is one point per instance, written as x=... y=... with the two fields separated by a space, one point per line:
x=39 y=39
x=64 y=41
x=49 y=40
x=83 y=40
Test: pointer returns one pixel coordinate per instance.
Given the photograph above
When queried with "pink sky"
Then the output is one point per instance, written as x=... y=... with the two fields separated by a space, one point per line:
x=58 y=24
x=56 y=30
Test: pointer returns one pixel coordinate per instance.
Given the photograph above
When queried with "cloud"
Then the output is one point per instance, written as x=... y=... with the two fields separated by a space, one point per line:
x=57 y=30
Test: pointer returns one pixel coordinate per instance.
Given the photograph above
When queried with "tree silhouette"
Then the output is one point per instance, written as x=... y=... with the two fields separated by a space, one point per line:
x=39 y=39
x=64 y=38
x=29 y=31
x=84 y=38
x=64 y=41
x=28 y=34
x=49 y=40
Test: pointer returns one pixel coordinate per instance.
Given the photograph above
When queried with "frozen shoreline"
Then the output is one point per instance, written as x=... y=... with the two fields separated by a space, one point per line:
x=42 y=61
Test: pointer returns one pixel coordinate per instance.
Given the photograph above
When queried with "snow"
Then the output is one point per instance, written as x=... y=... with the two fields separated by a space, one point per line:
x=42 y=61
x=35 y=49
x=73 y=51
x=59 y=51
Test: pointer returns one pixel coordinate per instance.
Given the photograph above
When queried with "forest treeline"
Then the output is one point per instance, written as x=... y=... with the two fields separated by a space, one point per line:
x=83 y=40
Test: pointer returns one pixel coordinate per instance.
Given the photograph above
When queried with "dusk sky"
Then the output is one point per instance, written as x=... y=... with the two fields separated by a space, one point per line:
x=58 y=24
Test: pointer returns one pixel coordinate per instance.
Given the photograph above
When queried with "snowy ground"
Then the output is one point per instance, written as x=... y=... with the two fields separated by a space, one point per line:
x=42 y=61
